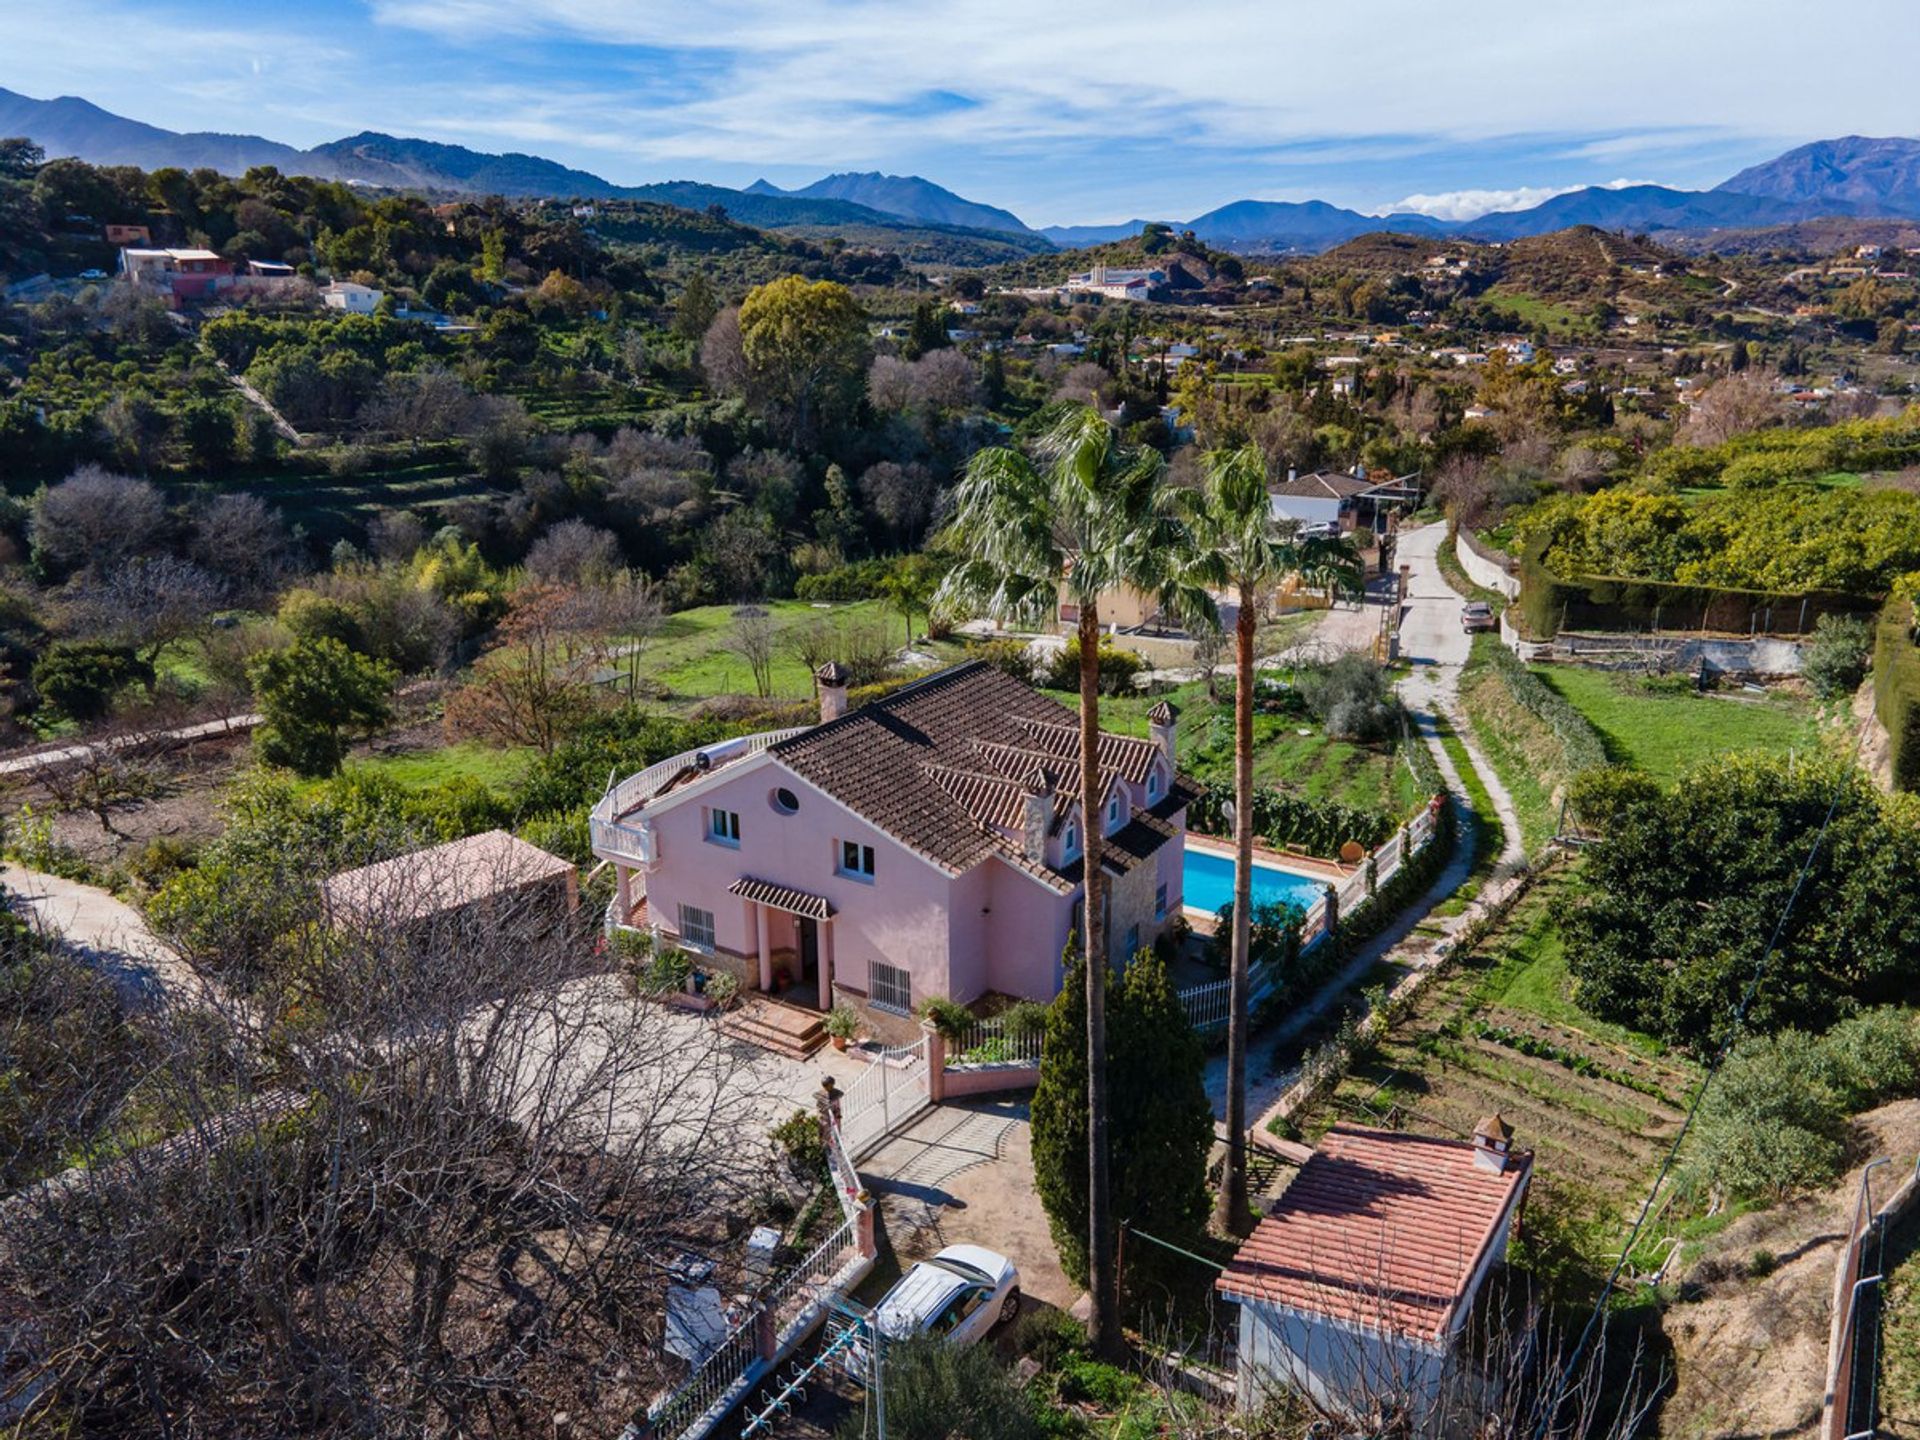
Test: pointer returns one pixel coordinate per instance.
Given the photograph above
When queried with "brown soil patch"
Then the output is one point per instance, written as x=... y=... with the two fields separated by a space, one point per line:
x=1751 y=1354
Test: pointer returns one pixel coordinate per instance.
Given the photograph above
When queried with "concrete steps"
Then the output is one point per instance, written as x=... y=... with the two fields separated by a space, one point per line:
x=784 y=1029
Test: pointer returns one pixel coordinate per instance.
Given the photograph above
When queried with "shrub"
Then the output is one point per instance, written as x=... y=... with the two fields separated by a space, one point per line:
x=1352 y=698
x=79 y=679
x=1769 y=1124
x=1118 y=668
x=666 y=972
x=1838 y=653
x=1872 y=1056
x=723 y=988
x=1048 y=1336
x=799 y=1136
x=949 y=1017
x=935 y=1391
x=842 y=1022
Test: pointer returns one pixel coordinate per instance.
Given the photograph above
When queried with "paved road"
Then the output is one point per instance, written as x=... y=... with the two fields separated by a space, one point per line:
x=39 y=759
x=104 y=931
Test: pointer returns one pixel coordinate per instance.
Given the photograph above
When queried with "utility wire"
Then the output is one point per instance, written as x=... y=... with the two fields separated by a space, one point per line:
x=1693 y=1109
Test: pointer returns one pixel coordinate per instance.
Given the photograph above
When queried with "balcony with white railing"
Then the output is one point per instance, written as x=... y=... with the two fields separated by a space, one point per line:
x=615 y=831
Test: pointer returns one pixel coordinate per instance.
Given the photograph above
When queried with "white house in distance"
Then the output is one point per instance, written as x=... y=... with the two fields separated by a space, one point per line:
x=352 y=298
x=1358 y=1284
x=1110 y=283
x=1353 y=501
x=926 y=844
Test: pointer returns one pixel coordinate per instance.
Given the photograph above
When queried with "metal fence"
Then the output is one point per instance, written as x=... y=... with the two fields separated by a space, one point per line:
x=894 y=1088
x=790 y=1306
x=991 y=1042
x=1207 y=1003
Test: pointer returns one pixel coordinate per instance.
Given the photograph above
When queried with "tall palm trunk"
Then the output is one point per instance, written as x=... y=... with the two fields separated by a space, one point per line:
x=1102 y=1283
x=1232 y=1212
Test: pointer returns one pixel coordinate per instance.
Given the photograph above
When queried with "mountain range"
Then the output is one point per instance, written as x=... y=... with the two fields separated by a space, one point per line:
x=1854 y=176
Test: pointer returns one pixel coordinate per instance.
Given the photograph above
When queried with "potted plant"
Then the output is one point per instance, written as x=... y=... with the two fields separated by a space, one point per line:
x=722 y=988
x=841 y=1024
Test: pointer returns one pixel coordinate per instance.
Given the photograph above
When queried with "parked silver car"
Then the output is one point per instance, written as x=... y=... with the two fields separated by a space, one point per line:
x=1478 y=615
x=960 y=1294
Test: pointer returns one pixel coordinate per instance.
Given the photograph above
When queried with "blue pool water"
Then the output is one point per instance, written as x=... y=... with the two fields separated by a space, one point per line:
x=1209 y=883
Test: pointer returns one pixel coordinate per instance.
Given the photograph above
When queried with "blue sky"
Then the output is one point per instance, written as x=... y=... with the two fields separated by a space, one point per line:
x=1061 y=113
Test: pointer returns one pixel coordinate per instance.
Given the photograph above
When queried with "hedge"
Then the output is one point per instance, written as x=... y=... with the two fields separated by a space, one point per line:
x=1283 y=818
x=1550 y=603
x=1580 y=743
x=1896 y=691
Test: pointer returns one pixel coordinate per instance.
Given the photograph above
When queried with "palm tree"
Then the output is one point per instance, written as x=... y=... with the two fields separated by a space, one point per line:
x=1090 y=517
x=1245 y=550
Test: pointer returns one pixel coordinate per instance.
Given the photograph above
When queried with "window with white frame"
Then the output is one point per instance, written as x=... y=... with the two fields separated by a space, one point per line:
x=696 y=927
x=723 y=826
x=1160 y=903
x=891 y=988
x=856 y=860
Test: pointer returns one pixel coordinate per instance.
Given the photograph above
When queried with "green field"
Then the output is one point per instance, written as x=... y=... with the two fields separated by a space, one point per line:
x=1316 y=765
x=1530 y=309
x=1666 y=734
x=689 y=654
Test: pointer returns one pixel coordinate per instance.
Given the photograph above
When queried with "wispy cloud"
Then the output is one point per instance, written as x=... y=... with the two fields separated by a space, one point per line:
x=1052 y=110
x=1471 y=204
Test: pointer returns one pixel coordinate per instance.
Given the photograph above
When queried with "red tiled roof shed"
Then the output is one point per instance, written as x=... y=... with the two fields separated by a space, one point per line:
x=1381 y=1229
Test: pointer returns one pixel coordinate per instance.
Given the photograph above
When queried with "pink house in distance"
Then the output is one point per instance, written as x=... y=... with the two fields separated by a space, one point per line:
x=927 y=844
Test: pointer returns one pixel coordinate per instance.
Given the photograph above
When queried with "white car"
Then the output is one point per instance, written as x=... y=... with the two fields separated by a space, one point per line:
x=959 y=1295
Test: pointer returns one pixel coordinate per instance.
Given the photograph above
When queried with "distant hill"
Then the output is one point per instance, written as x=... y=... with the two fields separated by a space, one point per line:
x=72 y=126
x=1296 y=225
x=907 y=196
x=1854 y=175
x=1072 y=237
x=372 y=158
x=1637 y=207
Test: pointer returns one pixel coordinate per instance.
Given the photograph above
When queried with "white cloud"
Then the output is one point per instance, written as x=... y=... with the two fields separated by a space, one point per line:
x=1471 y=204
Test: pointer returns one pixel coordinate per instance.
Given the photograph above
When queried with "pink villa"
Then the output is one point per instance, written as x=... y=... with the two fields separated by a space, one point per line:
x=927 y=844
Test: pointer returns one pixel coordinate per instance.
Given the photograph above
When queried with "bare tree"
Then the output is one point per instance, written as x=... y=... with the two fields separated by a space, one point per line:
x=751 y=637
x=723 y=359
x=537 y=683
x=1731 y=406
x=902 y=496
x=96 y=520
x=574 y=553
x=147 y=603
x=115 y=764
x=395 y=534
x=242 y=538
x=449 y=1200
x=416 y=405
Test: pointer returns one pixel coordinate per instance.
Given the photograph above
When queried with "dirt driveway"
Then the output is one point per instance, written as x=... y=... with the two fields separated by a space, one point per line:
x=964 y=1173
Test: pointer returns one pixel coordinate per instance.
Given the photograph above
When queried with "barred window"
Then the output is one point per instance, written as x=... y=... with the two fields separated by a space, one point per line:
x=696 y=927
x=892 y=989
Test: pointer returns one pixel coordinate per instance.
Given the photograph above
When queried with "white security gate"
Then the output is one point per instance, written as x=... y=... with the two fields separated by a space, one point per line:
x=891 y=1092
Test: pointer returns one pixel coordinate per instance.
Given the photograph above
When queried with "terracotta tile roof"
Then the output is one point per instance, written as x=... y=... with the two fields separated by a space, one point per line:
x=782 y=897
x=895 y=762
x=441 y=877
x=1381 y=1229
x=991 y=799
x=1060 y=740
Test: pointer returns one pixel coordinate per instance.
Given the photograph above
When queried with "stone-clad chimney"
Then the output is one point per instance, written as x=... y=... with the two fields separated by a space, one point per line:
x=1036 y=816
x=833 y=677
x=1162 y=726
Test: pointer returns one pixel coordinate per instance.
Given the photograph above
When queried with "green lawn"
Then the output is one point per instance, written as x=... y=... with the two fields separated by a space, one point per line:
x=1372 y=777
x=423 y=769
x=1488 y=833
x=1531 y=309
x=689 y=654
x=1666 y=734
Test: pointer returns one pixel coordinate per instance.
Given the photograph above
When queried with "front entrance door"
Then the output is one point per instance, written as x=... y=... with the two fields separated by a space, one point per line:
x=809 y=935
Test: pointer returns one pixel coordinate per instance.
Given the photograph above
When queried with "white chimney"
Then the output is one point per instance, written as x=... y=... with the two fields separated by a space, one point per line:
x=1493 y=1144
x=1292 y=474
x=833 y=677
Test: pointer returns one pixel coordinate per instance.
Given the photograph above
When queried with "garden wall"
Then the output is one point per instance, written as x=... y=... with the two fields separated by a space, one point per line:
x=1484 y=565
x=1550 y=603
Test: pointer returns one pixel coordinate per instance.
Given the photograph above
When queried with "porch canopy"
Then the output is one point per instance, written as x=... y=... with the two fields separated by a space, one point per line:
x=782 y=897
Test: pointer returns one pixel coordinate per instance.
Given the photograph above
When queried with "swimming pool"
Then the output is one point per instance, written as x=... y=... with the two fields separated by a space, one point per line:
x=1209 y=883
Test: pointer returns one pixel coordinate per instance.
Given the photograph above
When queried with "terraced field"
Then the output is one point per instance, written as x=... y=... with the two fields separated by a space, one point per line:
x=1503 y=1033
